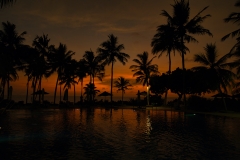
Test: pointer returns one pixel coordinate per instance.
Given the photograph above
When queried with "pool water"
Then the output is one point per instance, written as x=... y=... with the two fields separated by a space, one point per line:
x=117 y=134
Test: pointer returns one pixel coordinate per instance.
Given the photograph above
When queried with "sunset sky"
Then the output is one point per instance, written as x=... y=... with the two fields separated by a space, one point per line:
x=84 y=24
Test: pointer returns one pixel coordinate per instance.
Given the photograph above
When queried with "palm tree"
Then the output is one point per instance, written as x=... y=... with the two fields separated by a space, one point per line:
x=81 y=73
x=30 y=54
x=59 y=59
x=143 y=70
x=42 y=66
x=185 y=27
x=90 y=91
x=68 y=77
x=217 y=69
x=8 y=73
x=10 y=42
x=122 y=84
x=165 y=40
x=234 y=17
x=6 y=2
x=93 y=65
x=110 y=52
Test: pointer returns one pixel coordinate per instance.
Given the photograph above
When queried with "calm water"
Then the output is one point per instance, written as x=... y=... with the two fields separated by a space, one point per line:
x=117 y=134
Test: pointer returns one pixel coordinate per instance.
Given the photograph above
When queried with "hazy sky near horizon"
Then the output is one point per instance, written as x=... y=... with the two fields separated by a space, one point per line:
x=85 y=24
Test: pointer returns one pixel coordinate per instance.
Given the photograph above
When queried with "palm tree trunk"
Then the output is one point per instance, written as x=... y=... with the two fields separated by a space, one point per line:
x=122 y=97
x=74 y=94
x=147 y=94
x=81 y=98
x=93 y=96
x=111 y=81
x=183 y=67
x=60 y=94
x=55 y=92
x=39 y=88
x=34 y=88
x=169 y=71
x=27 y=90
x=90 y=95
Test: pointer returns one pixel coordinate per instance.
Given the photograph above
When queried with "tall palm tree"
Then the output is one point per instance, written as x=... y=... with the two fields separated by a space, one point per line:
x=143 y=70
x=166 y=40
x=81 y=73
x=186 y=27
x=10 y=42
x=30 y=54
x=234 y=17
x=217 y=68
x=68 y=77
x=6 y=2
x=122 y=84
x=93 y=66
x=41 y=69
x=59 y=59
x=42 y=65
x=110 y=51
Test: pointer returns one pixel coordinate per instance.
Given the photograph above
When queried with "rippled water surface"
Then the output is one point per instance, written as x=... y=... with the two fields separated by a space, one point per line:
x=117 y=134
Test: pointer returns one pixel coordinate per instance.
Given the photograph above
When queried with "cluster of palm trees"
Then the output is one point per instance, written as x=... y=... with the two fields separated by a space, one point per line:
x=42 y=59
x=178 y=31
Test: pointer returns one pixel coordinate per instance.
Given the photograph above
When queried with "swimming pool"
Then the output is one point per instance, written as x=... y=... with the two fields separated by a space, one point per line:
x=117 y=134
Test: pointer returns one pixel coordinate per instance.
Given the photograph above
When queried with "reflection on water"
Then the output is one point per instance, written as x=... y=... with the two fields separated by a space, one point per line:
x=117 y=134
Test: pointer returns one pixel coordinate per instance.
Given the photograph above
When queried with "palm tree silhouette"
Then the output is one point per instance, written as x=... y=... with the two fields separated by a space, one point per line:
x=184 y=27
x=93 y=65
x=234 y=17
x=10 y=42
x=216 y=69
x=143 y=70
x=30 y=54
x=60 y=57
x=81 y=73
x=6 y=2
x=166 y=40
x=110 y=51
x=90 y=91
x=68 y=78
x=122 y=84
x=42 y=66
x=7 y=73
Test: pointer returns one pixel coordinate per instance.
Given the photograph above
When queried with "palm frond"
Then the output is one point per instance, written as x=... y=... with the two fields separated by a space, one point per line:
x=6 y=2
